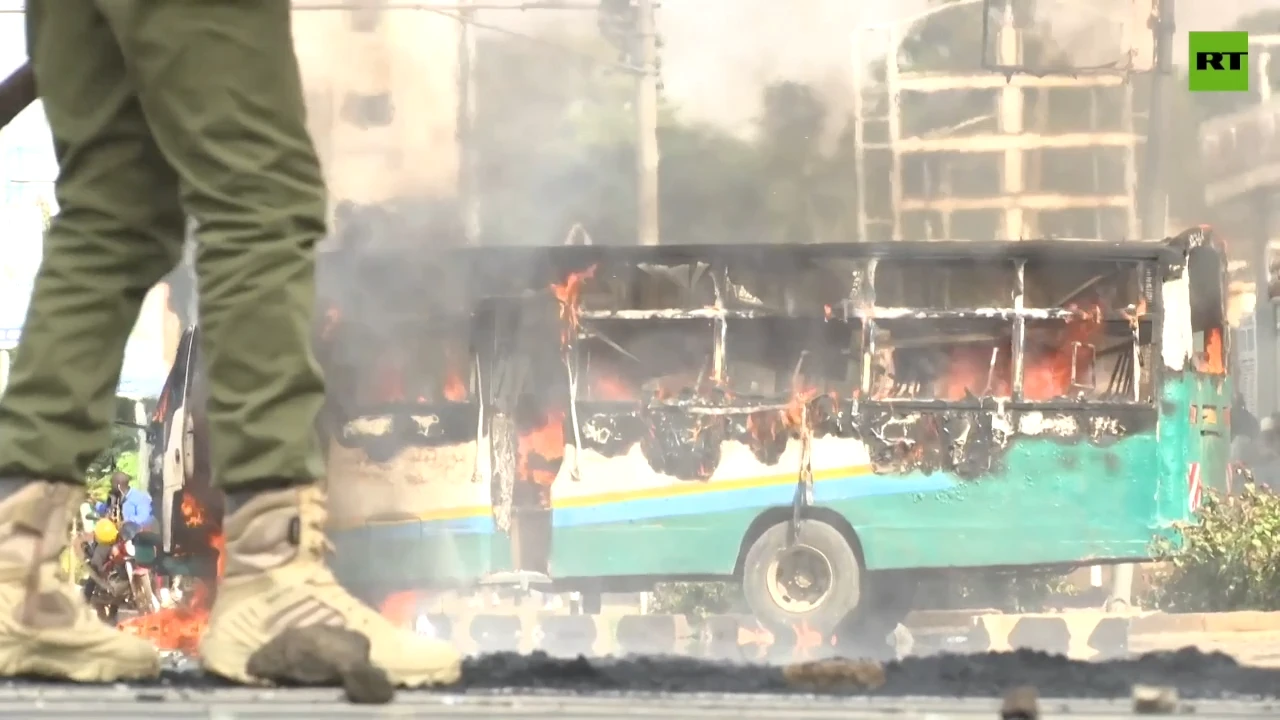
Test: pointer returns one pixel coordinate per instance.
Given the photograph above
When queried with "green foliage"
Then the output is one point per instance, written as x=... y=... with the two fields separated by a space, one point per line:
x=697 y=598
x=121 y=455
x=1013 y=592
x=1229 y=560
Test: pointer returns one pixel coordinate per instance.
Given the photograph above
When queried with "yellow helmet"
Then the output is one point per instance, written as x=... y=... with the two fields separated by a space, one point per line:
x=105 y=532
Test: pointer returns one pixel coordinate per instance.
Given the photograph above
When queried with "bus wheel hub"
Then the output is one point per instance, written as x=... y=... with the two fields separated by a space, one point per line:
x=799 y=579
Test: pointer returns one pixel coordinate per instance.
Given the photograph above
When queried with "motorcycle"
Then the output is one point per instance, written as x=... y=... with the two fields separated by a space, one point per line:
x=125 y=581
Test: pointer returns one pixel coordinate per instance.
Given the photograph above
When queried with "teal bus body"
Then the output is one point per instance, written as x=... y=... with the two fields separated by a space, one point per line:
x=1053 y=504
x=1053 y=499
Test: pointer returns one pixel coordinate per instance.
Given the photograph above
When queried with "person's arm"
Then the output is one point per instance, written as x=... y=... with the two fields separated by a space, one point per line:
x=17 y=92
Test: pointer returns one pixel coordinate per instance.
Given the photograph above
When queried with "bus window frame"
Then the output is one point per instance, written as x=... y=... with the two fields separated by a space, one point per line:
x=1019 y=314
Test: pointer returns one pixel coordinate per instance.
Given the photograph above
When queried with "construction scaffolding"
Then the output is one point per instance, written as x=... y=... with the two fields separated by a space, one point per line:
x=1020 y=200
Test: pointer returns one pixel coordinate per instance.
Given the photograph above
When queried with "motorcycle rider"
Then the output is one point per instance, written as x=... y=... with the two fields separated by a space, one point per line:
x=124 y=506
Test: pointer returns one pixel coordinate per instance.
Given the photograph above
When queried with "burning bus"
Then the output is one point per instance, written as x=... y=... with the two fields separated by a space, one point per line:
x=824 y=423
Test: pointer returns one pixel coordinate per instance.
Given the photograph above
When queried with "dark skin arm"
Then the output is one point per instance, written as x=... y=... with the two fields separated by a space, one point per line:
x=17 y=92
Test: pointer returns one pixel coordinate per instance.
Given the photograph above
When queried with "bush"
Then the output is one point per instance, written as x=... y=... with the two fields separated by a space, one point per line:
x=1229 y=560
x=697 y=598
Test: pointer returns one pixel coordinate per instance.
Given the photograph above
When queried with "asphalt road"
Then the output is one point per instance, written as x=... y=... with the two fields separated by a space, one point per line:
x=496 y=687
x=225 y=704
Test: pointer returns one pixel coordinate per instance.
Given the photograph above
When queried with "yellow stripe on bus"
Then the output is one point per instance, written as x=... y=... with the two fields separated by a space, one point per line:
x=690 y=487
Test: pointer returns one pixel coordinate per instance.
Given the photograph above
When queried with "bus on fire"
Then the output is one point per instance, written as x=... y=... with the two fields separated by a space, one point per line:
x=826 y=424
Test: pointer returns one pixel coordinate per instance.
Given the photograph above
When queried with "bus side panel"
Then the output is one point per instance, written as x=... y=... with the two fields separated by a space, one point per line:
x=416 y=519
x=1211 y=431
x=1047 y=500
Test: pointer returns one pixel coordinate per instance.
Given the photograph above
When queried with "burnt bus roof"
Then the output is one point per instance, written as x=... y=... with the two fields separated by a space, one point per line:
x=526 y=257
x=452 y=280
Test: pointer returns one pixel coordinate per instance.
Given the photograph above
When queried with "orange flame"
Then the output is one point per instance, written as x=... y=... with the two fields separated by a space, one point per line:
x=1047 y=373
x=540 y=450
x=808 y=640
x=609 y=388
x=754 y=636
x=401 y=608
x=1213 y=361
x=180 y=628
x=454 y=389
x=192 y=513
x=568 y=293
x=177 y=628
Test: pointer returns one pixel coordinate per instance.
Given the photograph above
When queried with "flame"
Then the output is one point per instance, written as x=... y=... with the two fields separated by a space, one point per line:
x=610 y=388
x=568 y=293
x=192 y=513
x=177 y=628
x=807 y=640
x=180 y=628
x=1046 y=373
x=454 y=389
x=796 y=414
x=401 y=608
x=540 y=450
x=1213 y=361
x=754 y=636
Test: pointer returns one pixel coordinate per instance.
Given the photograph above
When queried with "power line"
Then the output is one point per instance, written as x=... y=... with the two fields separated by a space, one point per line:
x=538 y=41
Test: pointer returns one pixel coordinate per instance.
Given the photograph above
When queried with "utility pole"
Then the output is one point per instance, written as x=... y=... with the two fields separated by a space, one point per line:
x=1155 y=201
x=1155 y=190
x=647 y=126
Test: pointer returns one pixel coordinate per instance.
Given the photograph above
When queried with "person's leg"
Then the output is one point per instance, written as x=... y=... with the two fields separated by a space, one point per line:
x=220 y=87
x=100 y=554
x=118 y=230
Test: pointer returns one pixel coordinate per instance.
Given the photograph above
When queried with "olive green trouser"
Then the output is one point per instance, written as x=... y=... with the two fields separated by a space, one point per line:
x=159 y=107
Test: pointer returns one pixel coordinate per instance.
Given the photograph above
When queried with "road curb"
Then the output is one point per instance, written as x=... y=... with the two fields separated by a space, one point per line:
x=1078 y=634
x=1225 y=622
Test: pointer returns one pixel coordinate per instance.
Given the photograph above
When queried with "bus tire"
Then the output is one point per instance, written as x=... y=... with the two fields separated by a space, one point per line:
x=817 y=581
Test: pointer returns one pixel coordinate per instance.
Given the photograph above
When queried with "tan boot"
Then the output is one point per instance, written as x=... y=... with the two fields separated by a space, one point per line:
x=46 y=628
x=276 y=578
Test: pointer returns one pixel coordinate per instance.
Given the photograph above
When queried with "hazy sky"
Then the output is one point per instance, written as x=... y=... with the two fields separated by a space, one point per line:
x=720 y=52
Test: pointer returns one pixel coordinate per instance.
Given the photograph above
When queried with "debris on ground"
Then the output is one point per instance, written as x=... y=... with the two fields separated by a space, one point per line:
x=1021 y=703
x=834 y=674
x=324 y=657
x=1154 y=700
x=1194 y=674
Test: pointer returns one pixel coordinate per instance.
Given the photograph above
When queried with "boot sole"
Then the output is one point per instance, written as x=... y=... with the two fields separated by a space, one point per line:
x=72 y=661
x=230 y=661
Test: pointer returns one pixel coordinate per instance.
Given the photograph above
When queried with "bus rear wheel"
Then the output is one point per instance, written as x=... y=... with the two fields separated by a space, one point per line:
x=815 y=582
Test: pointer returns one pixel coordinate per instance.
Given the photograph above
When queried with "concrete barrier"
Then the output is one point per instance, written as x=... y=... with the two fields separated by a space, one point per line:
x=498 y=633
x=654 y=635
x=569 y=635
x=1226 y=622
x=1081 y=634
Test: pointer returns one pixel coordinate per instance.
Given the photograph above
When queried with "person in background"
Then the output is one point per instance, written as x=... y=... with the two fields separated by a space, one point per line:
x=124 y=505
x=127 y=504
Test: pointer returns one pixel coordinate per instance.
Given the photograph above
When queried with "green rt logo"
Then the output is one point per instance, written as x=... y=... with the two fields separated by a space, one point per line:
x=1219 y=61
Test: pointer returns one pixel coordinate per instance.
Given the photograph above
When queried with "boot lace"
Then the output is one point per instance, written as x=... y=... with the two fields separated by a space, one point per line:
x=316 y=548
